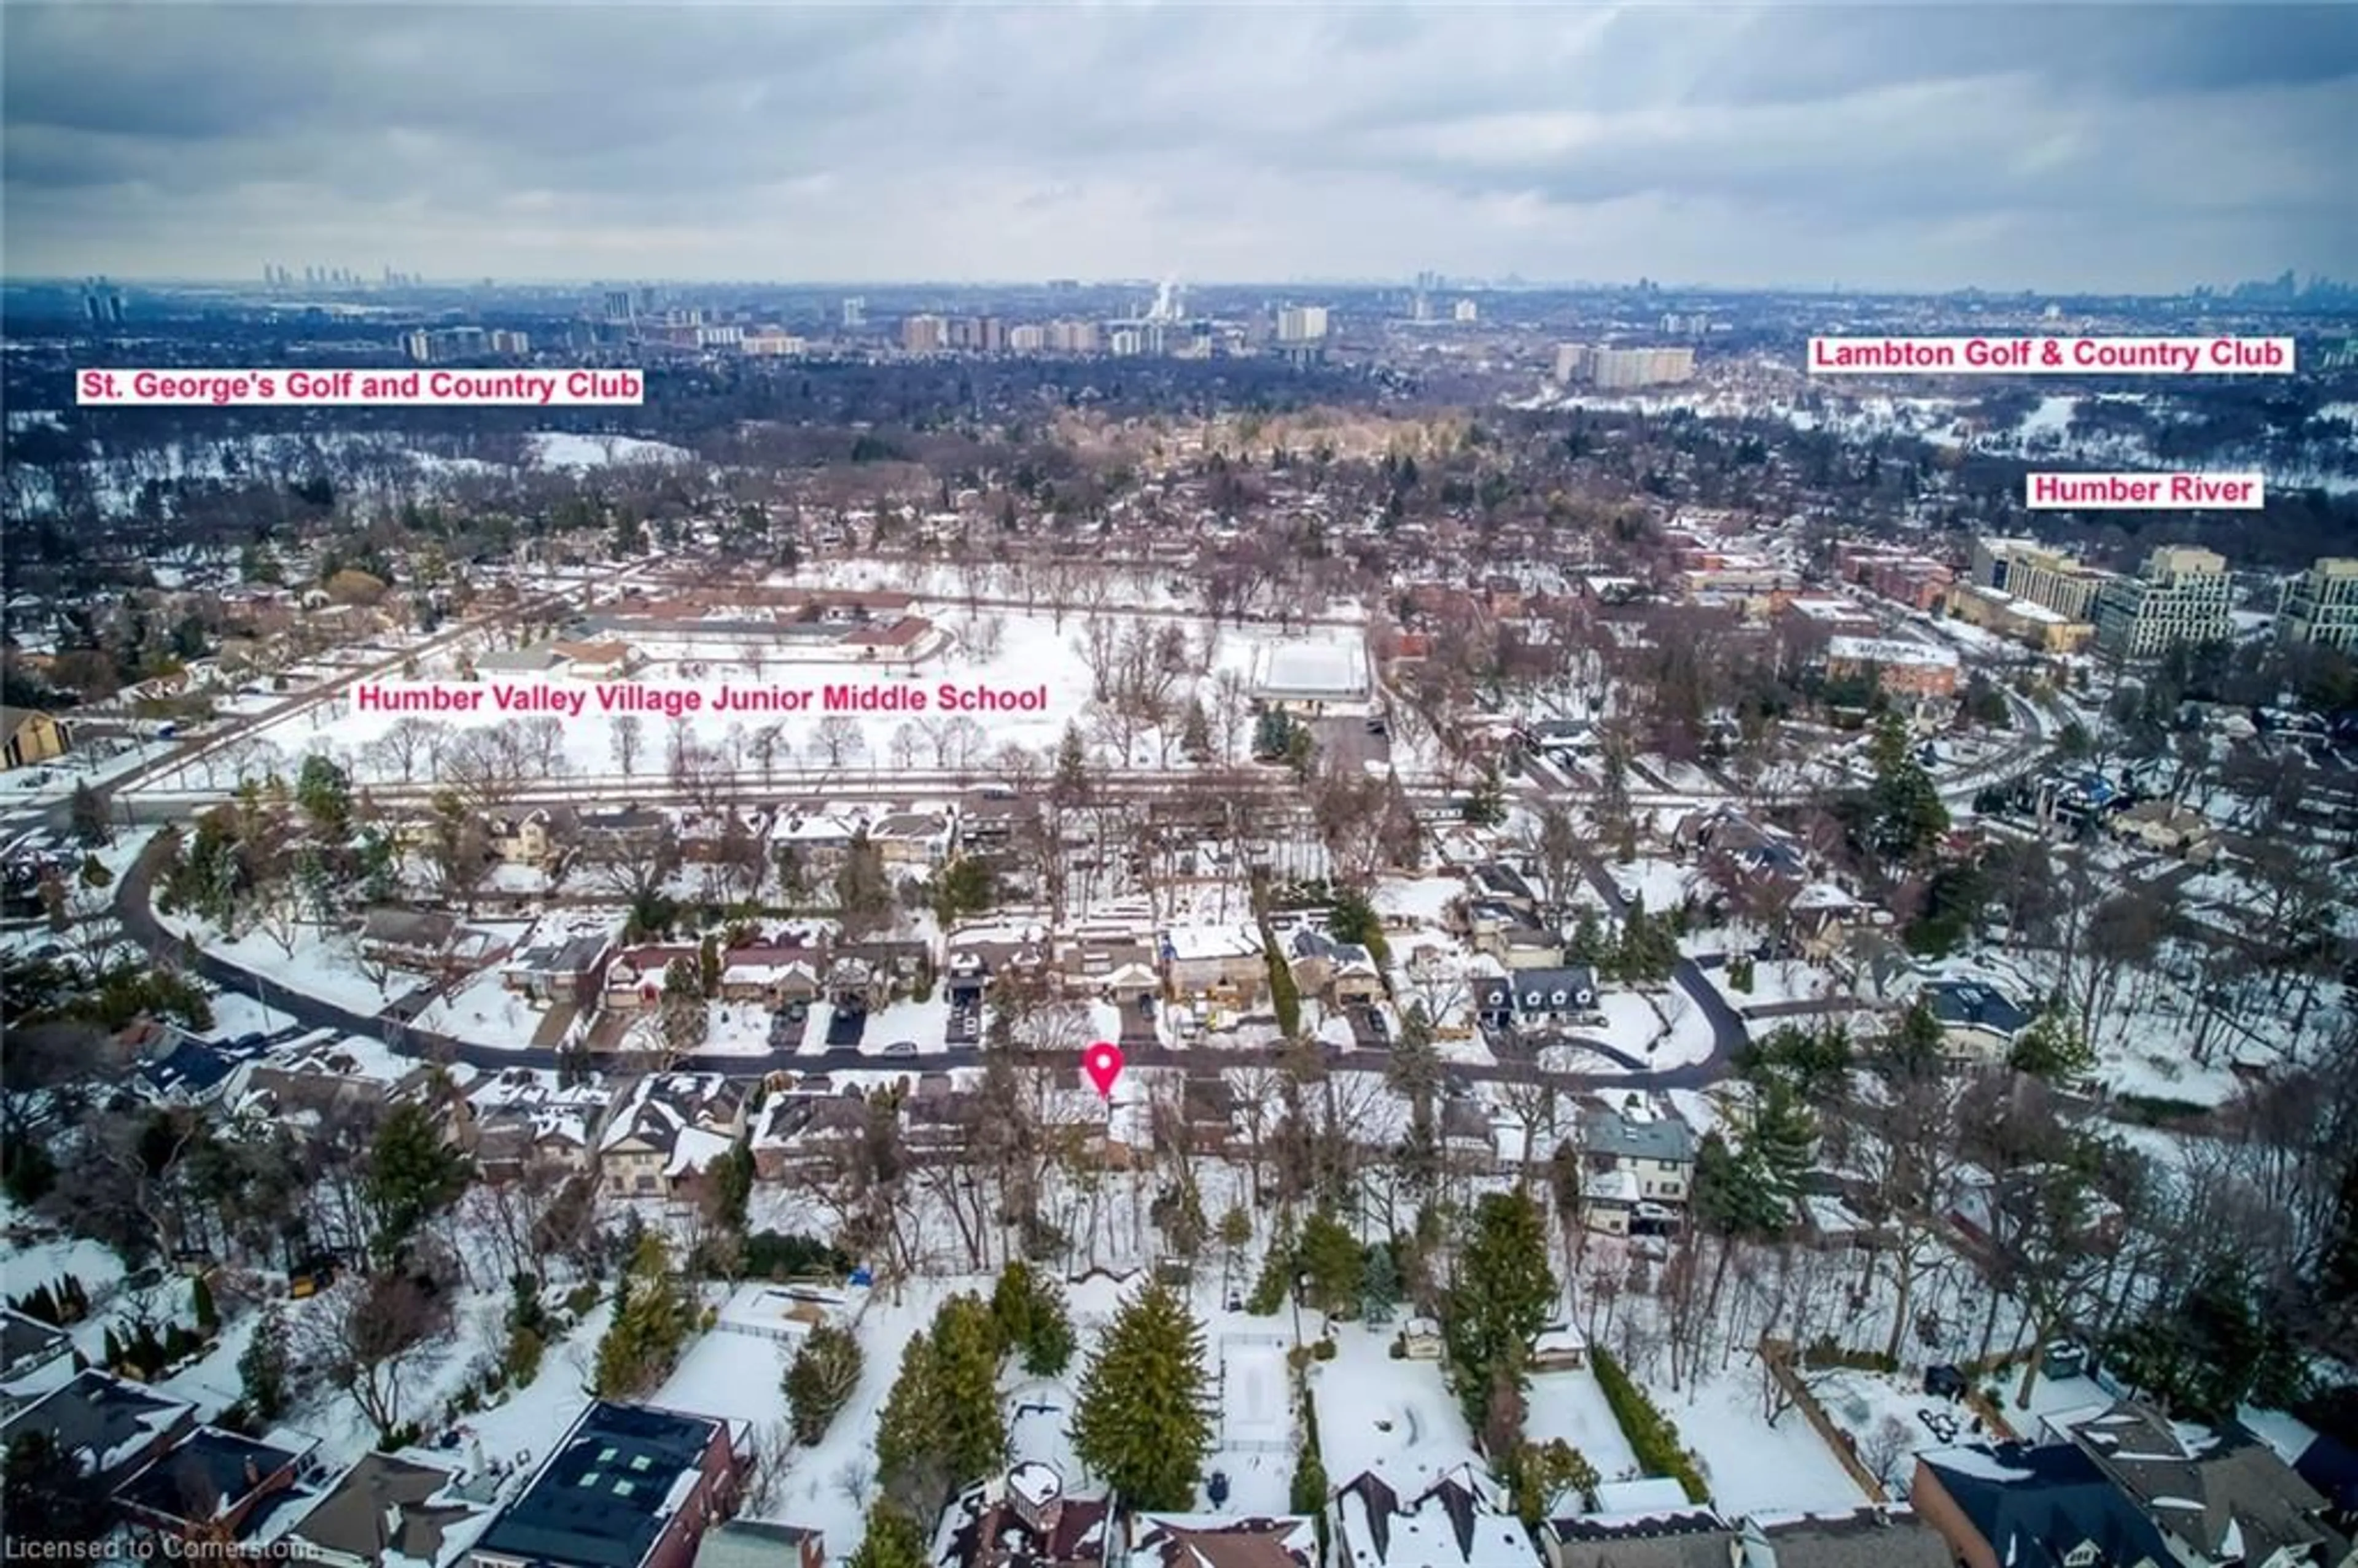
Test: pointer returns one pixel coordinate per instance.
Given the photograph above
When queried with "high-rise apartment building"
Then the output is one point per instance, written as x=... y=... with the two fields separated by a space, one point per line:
x=2321 y=606
x=1466 y=312
x=1571 y=361
x=2180 y=596
x=1302 y=324
x=2028 y=570
x=924 y=334
x=855 y=313
x=1613 y=368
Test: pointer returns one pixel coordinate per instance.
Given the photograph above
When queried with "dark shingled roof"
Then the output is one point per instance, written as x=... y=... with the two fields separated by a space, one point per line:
x=2033 y=1503
x=599 y=1501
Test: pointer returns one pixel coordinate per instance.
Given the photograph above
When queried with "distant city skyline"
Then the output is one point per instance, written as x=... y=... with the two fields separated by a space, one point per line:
x=1906 y=148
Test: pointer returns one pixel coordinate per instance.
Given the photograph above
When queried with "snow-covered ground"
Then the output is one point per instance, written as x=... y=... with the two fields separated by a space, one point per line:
x=1570 y=1406
x=1024 y=652
x=1375 y=1413
x=1750 y=1464
x=328 y=968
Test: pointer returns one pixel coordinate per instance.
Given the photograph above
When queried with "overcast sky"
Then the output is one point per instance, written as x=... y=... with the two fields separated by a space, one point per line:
x=1898 y=146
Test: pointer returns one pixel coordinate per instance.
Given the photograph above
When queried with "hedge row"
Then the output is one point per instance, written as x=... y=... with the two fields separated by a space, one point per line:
x=1653 y=1437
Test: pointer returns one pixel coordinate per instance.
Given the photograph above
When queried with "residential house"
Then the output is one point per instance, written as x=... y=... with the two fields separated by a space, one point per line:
x=1113 y=960
x=1536 y=1001
x=1338 y=972
x=773 y=973
x=1820 y=919
x=212 y=1488
x=821 y=836
x=2215 y=1497
x=35 y=1358
x=323 y=1076
x=914 y=840
x=387 y=1506
x=2046 y=1505
x=938 y=1120
x=1459 y=1521
x=568 y=969
x=1223 y=964
x=1978 y=1025
x=1665 y=1538
x=28 y=738
x=2167 y=828
x=634 y=978
x=419 y=939
x=1636 y=1169
x=806 y=1132
x=1509 y=931
x=620 y=832
x=628 y=1487
x=536 y=839
x=667 y=1132
x=753 y=1544
x=1865 y=1538
x=1023 y=1519
x=1222 y=1541
x=597 y=661
x=113 y=1427
x=537 y=660
x=525 y=1121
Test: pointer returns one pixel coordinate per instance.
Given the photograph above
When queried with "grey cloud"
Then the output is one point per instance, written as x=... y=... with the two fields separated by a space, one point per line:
x=1908 y=144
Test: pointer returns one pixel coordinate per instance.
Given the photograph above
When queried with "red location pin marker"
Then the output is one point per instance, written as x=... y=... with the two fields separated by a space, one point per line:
x=1102 y=1063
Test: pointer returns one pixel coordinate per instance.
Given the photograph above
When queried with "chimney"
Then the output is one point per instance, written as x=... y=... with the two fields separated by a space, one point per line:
x=253 y=1473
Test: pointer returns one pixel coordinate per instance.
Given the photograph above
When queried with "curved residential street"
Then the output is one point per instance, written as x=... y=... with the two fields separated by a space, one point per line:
x=134 y=906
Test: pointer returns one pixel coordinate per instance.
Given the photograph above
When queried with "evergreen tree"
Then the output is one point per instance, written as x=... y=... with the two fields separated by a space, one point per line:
x=1011 y=1306
x=1048 y=1349
x=1914 y=1044
x=1142 y=1423
x=732 y=1187
x=1276 y=1276
x=1195 y=732
x=1329 y=1256
x=1499 y=1299
x=681 y=1017
x=208 y=1318
x=820 y=1380
x=1487 y=806
x=893 y=1541
x=966 y=1388
x=1379 y=1285
x=325 y=797
x=1272 y=736
x=1906 y=815
x=652 y=1315
x=966 y=886
x=1784 y=1135
x=2053 y=1047
x=412 y=1174
x=112 y=1353
x=1070 y=786
x=88 y=816
x=1309 y=1487
x=1588 y=946
x=909 y=1460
